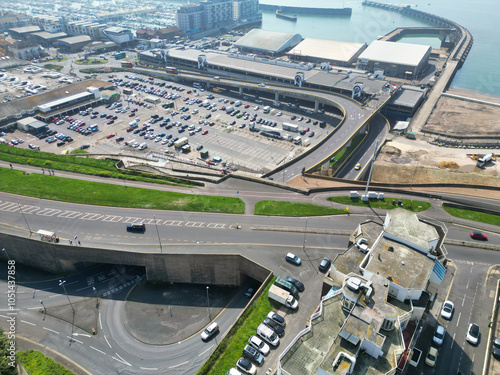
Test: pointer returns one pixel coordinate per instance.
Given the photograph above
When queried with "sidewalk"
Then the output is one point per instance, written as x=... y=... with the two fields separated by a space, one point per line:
x=491 y=365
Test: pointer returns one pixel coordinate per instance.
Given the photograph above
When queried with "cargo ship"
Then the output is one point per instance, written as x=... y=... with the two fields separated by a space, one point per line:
x=286 y=17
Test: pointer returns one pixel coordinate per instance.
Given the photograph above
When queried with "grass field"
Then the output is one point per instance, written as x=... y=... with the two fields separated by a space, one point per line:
x=35 y=363
x=96 y=193
x=231 y=347
x=473 y=215
x=54 y=67
x=283 y=208
x=386 y=203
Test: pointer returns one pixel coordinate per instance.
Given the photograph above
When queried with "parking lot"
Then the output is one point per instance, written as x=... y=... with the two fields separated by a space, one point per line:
x=153 y=114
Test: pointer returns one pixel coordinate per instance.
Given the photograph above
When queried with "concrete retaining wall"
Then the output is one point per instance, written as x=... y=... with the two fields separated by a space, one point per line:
x=217 y=269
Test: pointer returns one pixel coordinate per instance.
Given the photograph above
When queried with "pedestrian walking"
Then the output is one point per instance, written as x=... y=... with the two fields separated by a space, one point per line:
x=10 y=166
x=70 y=242
x=52 y=172
x=78 y=243
x=43 y=171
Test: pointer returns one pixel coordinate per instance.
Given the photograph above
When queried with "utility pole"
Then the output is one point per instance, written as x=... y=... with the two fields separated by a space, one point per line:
x=61 y=283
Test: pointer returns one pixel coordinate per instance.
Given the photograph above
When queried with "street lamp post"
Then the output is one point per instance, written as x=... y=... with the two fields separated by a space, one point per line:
x=44 y=309
x=208 y=305
x=61 y=283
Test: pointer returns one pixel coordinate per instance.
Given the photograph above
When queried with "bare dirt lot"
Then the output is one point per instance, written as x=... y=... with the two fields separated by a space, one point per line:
x=464 y=119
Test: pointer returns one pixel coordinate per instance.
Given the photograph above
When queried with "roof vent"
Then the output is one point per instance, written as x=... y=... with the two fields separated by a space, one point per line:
x=353 y=283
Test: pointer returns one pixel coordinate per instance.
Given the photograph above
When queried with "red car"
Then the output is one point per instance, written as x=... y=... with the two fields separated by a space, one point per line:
x=110 y=122
x=131 y=114
x=476 y=235
x=247 y=105
x=204 y=132
x=111 y=135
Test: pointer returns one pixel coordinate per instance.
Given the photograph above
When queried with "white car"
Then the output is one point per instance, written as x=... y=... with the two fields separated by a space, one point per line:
x=258 y=344
x=473 y=334
x=447 y=310
x=439 y=334
x=246 y=366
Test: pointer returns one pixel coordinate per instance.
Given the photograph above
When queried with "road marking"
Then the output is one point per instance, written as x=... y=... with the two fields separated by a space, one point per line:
x=100 y=321
x=173 y=222
x=216 y=225
x=33 y=308
x=458 y=321
x=121 y=360
x=54 y=295
x=149 y=368
x=105 y=338
x=3 y=316
x=100 y=351
x=451 y=346
x=71 y=283
x=48 y=212
x=180 y=364
x=70 y=214
x=91 y=216
x=199 y=355
x=24 y=321
x=51 y=330
x=85 y=287
x=465 y=295
x=73 y=339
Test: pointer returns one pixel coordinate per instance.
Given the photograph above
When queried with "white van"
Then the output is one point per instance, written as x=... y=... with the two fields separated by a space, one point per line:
x=143 y=146
x=266 y=109
x=237 y=104
x=267 y=334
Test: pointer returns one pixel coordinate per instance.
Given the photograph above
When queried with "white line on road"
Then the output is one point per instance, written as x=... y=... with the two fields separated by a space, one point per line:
x=73 y=339
x=3 y=316
x=452 y=341
x=463 y=301
x=51 y=330
x=100 y=322
x=121 y=360
x=205 y=351
x=33 y=308
x=71 y=283
x=149 y=368
x=100 y=351
x=54 y=295
x=180 y=364
x=86 y=287
x=458 y=321
x=24 y=321
x=105 y=338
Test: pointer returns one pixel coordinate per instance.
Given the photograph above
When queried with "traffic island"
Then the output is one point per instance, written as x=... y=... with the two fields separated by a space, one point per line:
x=166 y=313
x=85 y=316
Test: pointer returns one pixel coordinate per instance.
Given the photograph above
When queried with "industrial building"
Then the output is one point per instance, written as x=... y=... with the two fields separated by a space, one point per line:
x=73 y=43
x=267 y=42
x=330 y=51
x=395 y=59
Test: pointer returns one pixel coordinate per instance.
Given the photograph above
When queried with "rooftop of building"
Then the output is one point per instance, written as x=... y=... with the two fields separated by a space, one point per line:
x=327 y=49
x=395 y=53
x=76 y=39
x=407 y=96
x=47 y=35
x=29 y=103
x=117 y=30
x=25 y=29
x=271 y=41
x=319 y=348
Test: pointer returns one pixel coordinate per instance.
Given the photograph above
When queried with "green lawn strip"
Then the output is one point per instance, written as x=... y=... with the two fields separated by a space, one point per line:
x=386 y=203
x=90 y=61
x=283 y=208
x=345 y=152
x=478 y=216
x=97 y=193
x=6 y=348
x=101 y=70
x=71 y=163
x=54 y=67
x=231 y=347
x=36 y=363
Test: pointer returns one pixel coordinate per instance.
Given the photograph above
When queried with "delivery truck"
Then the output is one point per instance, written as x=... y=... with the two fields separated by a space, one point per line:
x=282 y=296
x=181 y=142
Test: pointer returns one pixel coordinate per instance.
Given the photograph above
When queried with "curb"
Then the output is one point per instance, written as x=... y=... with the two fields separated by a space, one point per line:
x=490 y=326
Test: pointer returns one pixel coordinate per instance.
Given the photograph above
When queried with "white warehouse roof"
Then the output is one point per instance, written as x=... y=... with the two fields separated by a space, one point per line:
x=327 y=49
x=395 y=53
x=270 y=41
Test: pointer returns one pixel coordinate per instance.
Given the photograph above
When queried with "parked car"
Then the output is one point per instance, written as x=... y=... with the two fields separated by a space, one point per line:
x=246 y=366
x=473 y=334
x=296 y=283
x=447 y=310
x=280 y=331
x=325 y=264
x=431 y=358
x=438 y=337
x=294 y=259
x=258 y=344
x=277 y=318
x=253 y=354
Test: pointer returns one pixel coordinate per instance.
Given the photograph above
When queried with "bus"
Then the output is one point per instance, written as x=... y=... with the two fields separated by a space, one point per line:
x=171 y=70
x=120 y=55
x=127 y=64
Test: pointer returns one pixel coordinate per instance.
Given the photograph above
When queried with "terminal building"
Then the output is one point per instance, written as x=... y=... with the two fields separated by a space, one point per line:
x=395 y=59
x=330 y=51
x=265 y=42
